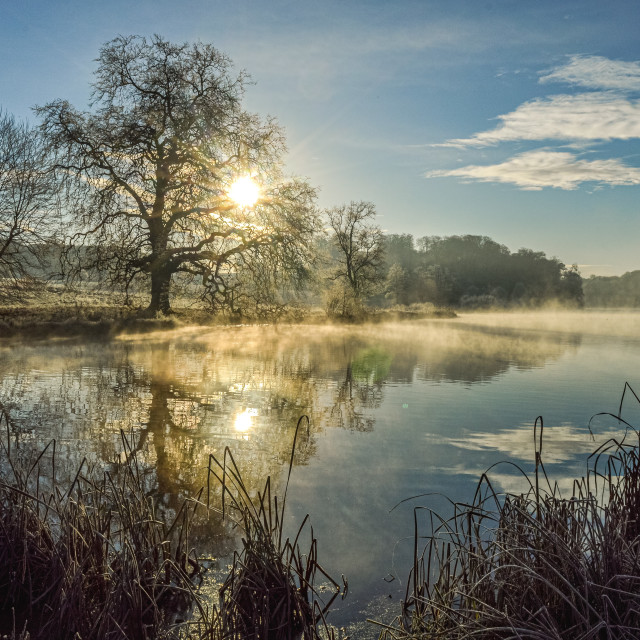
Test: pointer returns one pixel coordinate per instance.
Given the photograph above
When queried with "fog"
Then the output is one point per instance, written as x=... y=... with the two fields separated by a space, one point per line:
x=621 y=323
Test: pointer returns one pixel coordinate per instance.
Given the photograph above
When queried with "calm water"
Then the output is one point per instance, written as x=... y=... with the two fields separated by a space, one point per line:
x=395 y=411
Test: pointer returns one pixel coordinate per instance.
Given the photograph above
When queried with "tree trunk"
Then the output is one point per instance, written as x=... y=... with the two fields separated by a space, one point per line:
x=160 y=282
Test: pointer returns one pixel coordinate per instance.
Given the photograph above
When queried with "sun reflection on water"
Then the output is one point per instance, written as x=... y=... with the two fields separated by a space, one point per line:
x=244 y=420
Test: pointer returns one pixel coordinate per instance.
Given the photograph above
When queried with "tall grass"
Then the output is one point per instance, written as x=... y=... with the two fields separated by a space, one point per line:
x=95 y=560
x=91 y=560
x=535 y=565
x=271 y=591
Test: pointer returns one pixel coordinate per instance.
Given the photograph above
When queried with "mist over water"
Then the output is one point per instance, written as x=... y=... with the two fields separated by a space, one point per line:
x=396 y=410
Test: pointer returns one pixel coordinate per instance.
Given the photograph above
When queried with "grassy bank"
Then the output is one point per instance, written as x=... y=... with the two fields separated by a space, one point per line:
x=91 y=321
x=104 y=321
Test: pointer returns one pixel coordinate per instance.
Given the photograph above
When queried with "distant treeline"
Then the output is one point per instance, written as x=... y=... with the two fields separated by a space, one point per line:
x=613 y=291
x=475 y=271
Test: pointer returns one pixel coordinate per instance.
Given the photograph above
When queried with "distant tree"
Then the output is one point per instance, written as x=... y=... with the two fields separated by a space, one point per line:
x=540 y=275
x=397 y=285
x=571 y=286
x=613 y=291
x=27 y=204
x=441 y=285
x=478 y=263
x=399 y=249
x=480 y=271
x=149 y=169
x=360 y=247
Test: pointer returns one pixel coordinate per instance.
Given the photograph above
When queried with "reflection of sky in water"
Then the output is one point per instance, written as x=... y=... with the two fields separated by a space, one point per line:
x=396 y=411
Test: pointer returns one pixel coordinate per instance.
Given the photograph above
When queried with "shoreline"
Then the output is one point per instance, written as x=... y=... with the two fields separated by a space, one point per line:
x=110 y=322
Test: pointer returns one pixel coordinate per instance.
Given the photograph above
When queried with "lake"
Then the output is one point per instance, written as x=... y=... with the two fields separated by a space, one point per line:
x=396 y=410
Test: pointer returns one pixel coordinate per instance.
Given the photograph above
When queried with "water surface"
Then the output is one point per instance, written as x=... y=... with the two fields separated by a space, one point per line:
x=395 y=411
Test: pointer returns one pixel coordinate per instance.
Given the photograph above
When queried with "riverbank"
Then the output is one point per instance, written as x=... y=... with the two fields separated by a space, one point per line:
x=103 y=321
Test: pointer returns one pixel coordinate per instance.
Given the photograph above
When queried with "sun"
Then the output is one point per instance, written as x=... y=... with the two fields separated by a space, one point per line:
x=244 y=191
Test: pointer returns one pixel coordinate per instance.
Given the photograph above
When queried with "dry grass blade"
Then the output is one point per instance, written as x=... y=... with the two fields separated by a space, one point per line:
x=270 y=592
x=535 y=565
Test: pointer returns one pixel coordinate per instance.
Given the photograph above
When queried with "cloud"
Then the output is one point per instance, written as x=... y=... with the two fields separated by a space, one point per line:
x=321 y=58
x=535 y=170
x=583 y=117
x=596 y=72
x=565 y=445
x=576 y=121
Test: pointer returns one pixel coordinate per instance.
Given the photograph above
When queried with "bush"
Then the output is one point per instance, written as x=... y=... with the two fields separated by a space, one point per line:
x=341 y=303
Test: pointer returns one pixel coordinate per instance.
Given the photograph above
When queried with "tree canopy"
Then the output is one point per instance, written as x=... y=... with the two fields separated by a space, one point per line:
x=148 y=170
x=27 y=204
x=475 y=270
x=613 y=291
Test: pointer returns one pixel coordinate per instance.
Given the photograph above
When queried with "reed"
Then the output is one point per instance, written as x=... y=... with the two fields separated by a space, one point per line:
x=95 y=560
x=91 y=560
x=271 y=592
x=535 y=565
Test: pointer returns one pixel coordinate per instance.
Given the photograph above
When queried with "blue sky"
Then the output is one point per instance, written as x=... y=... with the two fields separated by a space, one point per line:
x=513 y=119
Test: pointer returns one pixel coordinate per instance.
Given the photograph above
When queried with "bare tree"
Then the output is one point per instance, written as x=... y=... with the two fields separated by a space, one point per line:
x=149 y=169
x=27 y=205
x=360 y=247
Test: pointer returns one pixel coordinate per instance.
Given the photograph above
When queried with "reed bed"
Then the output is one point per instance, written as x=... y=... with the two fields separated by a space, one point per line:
x=95 y=560
x=92 y=560
x=271 y=591
x=535 y=565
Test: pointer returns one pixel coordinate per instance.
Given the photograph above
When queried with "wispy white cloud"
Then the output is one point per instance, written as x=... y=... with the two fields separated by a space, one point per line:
x=575 y=121
x=535 y=170
x=596 y=72
x=587 y=116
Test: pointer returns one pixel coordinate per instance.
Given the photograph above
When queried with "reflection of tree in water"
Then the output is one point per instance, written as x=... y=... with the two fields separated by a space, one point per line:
x=361 y=389
x=174 y=400
x=176 y=406
x=452 y=353
x=195 y=408
x=476 y=354
x=191 y=395
x=457 y=353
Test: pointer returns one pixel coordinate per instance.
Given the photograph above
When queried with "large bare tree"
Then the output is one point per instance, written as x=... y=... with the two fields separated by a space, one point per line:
x=27 y=205
x=150 y=165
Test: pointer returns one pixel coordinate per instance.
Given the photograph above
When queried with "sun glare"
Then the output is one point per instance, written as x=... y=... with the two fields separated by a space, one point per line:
x=244 y=191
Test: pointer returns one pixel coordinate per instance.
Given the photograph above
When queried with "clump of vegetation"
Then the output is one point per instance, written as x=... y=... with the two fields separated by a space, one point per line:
x=96 y=560
x=534 y=565
x=92 y=560
x=270 y=591
x=613 y=291
x=475 y=272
